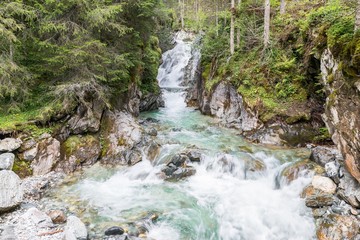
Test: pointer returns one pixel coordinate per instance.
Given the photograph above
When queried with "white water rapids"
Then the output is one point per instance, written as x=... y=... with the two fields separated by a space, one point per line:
x=223 y=200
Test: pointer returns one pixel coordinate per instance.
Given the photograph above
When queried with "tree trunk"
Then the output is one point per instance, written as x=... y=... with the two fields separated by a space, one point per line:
x=357 y=19
x=267 y=24
x=232 y=27
x=181 y=7
x=217 y=17
x=238 y=29
x=282 y=6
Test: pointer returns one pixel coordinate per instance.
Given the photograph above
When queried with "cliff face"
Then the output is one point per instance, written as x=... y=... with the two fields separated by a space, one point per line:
x=342 y=111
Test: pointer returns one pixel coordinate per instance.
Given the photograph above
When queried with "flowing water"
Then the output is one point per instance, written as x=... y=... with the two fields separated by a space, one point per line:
x=225 y=199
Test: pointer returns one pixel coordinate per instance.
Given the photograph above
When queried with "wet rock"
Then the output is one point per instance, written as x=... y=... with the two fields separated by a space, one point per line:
x=9 y=144
x=75 y=229
x=78 y=151
x=337 y=227
x=30 y=154
x=319 y=212
x=332 y=169
x=255 y=165
x=151 y=101
x=47 y=157
x=132 y=157
x=57 y=216
x=323 y=155
x=324 y=184
x=319 y=200
x=152 y=132
x=153 y=150
x=11 y=194
x=349 y=190
x=114 y=231
x=179 y=160
x=194 y=156
x=121 y=237
x=6 y=161
x=38 y=218
x=176 y=129
x=182 y=173
x=177 y=169
x=300 y=168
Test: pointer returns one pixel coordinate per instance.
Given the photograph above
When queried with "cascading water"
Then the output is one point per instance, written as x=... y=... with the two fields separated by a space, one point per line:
x=225 y=199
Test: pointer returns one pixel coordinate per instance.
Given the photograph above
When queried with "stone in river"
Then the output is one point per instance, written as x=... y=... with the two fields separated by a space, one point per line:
x=114 y=231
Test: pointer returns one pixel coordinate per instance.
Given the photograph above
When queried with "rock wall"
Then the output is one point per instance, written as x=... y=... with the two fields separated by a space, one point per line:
x=342 y=111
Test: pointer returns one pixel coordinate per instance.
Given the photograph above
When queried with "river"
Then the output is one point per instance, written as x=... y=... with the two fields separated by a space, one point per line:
x=233 y=195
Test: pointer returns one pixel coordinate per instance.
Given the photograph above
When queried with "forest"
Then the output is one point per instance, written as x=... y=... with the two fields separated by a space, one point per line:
x=180 y=119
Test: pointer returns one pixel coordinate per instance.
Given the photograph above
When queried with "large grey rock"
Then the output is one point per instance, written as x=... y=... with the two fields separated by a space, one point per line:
x=229 y=106
x=121 y=132
x=151 y=101
x=6 y=161
x=322 y=155
x=11 y=193
x=87 y=117
x=37 y=217
x=332 y=169
x=349 y=190
x=75 y=229
x=342 y=111
x=48 y=156
x=79 y=151
x=9 y=144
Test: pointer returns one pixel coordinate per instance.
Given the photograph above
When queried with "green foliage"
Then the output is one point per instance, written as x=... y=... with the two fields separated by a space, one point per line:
x=60 y=51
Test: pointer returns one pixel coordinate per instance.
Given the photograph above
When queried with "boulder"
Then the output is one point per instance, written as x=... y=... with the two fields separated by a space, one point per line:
x=121 y=132
x=229 y=106
x=30 y=154
x=87 y=117
x=151 y=101
x=78 y=151
x=48 y=156
x=114 y=231
x=132 y=157
x=349 y=190
x=57 y=216
x=152 y=132
x=322 y=155
x=332 y=169
x=75 y=229
x=342 y=111
x=320 y=200
x=300 y=168
x=37 y=217
x=194 y=156
x=177 y=168
x=337 y=227
x=153 y=150
x=7 y=232
x=6 y=161
x=28 y=144
x=11 y=194
x=9 y=144
x=324 y=184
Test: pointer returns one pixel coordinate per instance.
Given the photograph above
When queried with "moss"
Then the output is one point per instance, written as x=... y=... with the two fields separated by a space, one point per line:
x=22 y=168
x=73 y=143
x=298 y=118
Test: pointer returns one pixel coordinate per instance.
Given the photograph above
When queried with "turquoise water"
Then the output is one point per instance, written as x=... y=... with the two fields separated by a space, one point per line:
x=226 y=199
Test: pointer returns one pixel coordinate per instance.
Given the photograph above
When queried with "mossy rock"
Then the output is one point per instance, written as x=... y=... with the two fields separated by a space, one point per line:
x=294 y=170
x=22 y=168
